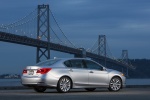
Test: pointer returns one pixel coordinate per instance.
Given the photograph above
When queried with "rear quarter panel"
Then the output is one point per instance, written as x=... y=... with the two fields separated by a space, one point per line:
x=55 y=74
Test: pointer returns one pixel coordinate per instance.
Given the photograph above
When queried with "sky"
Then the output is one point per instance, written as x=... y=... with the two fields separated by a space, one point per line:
x=126 y=24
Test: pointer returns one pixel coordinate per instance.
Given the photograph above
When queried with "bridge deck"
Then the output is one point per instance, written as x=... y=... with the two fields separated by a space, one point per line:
x=24 y=40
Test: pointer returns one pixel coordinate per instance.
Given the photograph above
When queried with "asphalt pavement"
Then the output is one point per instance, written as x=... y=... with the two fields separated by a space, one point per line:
x=77 y=94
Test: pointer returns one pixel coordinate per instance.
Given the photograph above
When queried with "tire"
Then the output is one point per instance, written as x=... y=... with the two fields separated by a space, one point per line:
x=115 y=84
x=39 y=89
x=90 y=89
x=64 y=85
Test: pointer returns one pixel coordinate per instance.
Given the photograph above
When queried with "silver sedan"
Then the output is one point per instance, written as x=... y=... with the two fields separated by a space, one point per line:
x=65 y=74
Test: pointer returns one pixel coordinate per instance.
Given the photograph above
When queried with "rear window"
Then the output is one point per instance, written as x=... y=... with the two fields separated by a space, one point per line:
x=47 y=63
x=67 y=63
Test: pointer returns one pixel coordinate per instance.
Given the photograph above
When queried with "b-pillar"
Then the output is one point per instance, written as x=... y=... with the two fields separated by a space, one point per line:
x=43 y=32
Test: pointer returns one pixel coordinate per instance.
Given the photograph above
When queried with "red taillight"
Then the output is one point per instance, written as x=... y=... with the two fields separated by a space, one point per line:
x=43 y=70
x=24 y=71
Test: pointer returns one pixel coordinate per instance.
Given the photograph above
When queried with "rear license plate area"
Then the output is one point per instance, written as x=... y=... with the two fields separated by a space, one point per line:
x=30 y=72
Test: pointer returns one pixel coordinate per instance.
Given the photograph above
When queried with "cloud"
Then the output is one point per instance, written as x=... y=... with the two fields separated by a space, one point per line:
x=124 y=22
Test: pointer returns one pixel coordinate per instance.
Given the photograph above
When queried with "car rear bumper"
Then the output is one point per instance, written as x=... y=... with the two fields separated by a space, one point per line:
x=38 y=81
x=31 y=81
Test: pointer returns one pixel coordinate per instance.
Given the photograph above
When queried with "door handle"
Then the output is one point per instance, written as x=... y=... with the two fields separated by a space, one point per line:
x=91 y=72
x=70 y=70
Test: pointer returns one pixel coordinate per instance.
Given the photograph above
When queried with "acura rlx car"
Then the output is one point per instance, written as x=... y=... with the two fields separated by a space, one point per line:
x=65 y=74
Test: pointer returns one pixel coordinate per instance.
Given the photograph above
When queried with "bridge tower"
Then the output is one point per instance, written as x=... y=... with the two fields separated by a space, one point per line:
x=43 y=31
x=125 y=58
x=102 y=46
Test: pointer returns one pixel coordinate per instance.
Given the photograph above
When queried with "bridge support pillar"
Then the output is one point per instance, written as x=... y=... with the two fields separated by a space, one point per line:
x=82 y=54
x=43 y=32
x=125 y=59
x=102 y=46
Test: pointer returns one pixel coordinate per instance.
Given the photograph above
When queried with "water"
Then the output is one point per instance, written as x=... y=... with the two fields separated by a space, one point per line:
x=10 y=82
x=138 y=81
x=17 y=82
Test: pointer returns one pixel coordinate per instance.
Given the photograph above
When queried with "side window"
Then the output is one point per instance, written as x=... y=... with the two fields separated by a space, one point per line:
x=67 y=63
x=77 y=63
x=93 y=65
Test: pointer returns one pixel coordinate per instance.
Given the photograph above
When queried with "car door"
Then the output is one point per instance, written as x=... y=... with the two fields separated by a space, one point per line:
x=97 y=76
x=78 y=74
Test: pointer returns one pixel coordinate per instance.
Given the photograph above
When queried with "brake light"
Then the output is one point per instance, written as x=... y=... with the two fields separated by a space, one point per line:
x=43 y=70
x=24 y=71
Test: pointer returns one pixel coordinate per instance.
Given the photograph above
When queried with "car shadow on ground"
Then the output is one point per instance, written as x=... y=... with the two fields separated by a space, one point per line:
x=72 y=91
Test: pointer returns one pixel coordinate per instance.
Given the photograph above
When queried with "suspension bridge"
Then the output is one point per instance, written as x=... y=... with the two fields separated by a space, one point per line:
x=40 y=29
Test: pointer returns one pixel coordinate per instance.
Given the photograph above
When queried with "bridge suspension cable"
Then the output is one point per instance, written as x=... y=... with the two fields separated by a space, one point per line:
x=24 y=27
x=61 y=29
x=22 y=23
x=21 y=18
x=108 y=51
x=90 y=49
x=56 y=35
x=27 y=25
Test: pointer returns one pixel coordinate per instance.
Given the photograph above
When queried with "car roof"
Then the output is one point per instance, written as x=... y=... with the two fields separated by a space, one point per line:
x=64 y=59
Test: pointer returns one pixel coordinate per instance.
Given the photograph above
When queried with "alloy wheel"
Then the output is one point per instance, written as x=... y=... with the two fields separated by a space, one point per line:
x=115 y=84
x=64 y=85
